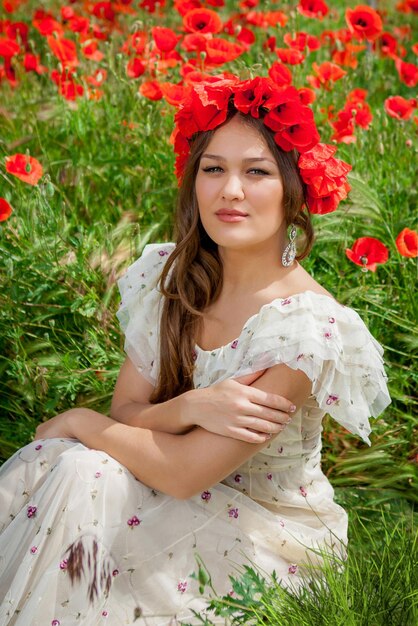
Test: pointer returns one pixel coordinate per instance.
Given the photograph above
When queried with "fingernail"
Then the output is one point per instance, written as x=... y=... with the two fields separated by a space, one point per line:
x=292 y=408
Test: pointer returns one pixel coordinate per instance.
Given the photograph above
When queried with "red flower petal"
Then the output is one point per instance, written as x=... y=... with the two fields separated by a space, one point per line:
x=364 y=22
x=5 y=210
x=24 y=167
x=407 y=243
x=316 y=9
x=165 y=38
x=367 y=252
x=202 y=21
x=151 y=90
x=399 y=107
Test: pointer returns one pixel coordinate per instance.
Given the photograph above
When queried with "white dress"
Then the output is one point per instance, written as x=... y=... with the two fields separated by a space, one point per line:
x=140 y=545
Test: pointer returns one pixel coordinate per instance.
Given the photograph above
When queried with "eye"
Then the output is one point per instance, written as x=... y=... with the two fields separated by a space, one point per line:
x=212 y=169
x=258 y=172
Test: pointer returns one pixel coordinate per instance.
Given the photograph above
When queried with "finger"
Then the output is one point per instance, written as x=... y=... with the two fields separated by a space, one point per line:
x=264 y=427
x=272 y=400
x=250 y=436
x=264 y=413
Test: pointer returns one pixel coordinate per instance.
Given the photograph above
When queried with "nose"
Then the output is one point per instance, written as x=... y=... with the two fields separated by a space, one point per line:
x=233 y=188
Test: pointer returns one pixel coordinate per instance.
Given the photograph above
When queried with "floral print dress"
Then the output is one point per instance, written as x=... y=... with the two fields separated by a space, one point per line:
x=69 y=512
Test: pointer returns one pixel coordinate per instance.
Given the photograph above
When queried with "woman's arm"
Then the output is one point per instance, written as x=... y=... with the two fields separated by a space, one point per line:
x=231 y=408
x=179 y=465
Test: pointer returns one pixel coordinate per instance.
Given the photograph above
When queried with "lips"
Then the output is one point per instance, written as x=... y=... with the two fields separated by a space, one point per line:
x=231 y=212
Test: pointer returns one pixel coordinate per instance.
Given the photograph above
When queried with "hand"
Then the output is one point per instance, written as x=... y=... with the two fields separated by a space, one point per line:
x=234 y=409
x=58 y=426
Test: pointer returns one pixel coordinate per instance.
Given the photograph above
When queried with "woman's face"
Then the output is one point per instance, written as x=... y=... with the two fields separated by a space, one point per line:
x=239 y=190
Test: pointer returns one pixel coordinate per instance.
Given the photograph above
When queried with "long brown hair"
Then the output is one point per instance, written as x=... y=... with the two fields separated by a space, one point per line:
x=192 y=276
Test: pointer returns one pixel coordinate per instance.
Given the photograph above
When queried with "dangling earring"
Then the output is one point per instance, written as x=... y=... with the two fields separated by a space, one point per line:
x=289 y=253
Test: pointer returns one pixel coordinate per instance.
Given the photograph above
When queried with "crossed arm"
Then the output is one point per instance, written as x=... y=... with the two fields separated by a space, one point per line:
x=189 y=457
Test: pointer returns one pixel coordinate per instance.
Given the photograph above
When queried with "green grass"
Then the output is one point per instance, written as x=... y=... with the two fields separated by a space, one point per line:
x=376 y=586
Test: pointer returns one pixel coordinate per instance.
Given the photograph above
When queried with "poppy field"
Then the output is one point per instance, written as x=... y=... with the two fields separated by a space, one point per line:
x=88 y=94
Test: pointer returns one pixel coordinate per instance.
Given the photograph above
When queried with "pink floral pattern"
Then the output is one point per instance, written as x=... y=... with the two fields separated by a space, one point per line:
x=332 y=399
x=31 y=511
x=182 y=586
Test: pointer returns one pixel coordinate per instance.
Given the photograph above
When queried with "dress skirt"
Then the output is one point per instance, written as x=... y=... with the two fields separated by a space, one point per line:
x=85 y=543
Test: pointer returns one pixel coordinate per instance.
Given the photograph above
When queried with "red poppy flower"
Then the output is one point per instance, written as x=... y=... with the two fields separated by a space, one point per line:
x=195 y=42
x=326 y=73
x=302 y=136
x=151 y=90
x=24 y=167
x=221 y=51
x=98 y=78
x=399 y=107
x=16 y=30
x=184 y=6
x=407 y=243
x=368 y=252
x=8 y=47
x=348 y=55
x=246 y=37
x=306 y=95
x=327 y=204
x=202 y=21
x=68 y=88
x=91 y=52
x=64 y=50
x=78 y=24
x=269 y=18
x=364 y=22
x=173 y=94
x=135 y=68
x=252 y=94
x=316 y=9
x=135 y=44
x=32 y=63
x=357 y=94
x=321 y=171
x=292 y=56
x=386 y=44
x=280 y=74
x=408 y=72
x=165 y=38
x=344 y=128
x=104 y=11
x=46 y=24
x=302 y=41
x=287 y=110
x=5 y=210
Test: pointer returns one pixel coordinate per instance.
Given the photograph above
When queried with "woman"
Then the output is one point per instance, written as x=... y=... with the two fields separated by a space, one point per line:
x=235 y=353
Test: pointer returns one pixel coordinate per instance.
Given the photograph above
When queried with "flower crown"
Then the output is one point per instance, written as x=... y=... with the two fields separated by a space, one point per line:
x=285 y=111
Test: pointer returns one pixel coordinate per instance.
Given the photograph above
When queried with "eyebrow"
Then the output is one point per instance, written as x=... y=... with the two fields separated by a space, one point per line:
x=249 y=160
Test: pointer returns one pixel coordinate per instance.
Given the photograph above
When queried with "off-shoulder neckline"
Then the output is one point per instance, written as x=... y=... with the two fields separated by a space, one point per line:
x=200 y=350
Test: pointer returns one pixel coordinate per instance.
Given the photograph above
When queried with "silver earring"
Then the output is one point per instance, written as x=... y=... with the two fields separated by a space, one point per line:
x=289 y=253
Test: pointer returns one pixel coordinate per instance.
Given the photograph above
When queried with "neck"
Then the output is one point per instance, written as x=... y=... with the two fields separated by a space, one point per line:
x=246 y=271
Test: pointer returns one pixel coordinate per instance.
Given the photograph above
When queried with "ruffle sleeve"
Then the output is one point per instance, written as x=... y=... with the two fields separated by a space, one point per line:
x=139 y=311
x=331 y=345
